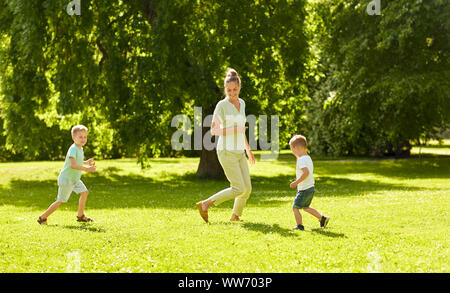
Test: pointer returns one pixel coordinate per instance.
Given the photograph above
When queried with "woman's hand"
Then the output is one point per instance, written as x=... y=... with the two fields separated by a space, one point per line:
x=240 y=129
x=251 y=157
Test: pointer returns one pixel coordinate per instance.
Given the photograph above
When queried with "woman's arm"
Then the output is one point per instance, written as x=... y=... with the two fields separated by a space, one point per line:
x=217 y=130
x=250 y=155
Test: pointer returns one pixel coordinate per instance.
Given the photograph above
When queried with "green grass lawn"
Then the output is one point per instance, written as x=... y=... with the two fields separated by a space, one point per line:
x=386 y=216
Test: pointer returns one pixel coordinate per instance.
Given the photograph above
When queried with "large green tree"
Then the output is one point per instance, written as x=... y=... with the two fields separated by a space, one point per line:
x=126 y=68
x=385 y=79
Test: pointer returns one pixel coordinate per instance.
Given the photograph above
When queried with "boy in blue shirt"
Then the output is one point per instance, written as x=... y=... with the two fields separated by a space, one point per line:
x=70 y=175
x=304 y=183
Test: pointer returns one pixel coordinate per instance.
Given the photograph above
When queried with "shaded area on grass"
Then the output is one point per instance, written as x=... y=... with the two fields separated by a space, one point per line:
x=110 y=188
x=129 y=191
x=84 y=227
x=267 y=229
x=402 y=168
x=80 y=227
x=328 y=233
x=431 y=167
x=286 y=156
x=284 y=232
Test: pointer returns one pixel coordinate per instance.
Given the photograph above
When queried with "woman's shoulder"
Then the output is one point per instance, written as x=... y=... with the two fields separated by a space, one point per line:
x=221 y=102
x=224 y=102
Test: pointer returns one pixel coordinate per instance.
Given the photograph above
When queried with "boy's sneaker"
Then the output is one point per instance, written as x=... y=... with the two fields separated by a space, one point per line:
x=324 y=221
x=299 y=227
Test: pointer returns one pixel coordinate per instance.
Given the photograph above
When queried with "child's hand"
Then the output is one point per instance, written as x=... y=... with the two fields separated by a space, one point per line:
x=91 y=169
x=293 y=184
x=91 y=162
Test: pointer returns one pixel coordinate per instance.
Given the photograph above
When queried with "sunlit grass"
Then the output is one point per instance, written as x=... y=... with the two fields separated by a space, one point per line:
x=433 y=147
x=386 y=215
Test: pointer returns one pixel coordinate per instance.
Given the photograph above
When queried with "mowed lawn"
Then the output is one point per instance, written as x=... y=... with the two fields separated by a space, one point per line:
x=386 y=216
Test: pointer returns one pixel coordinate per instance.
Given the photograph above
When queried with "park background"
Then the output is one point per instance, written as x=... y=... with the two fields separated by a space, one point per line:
x=370 y=92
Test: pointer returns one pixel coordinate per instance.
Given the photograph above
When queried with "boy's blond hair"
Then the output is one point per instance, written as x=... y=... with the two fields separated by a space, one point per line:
x=78 y=128
x=298 y=140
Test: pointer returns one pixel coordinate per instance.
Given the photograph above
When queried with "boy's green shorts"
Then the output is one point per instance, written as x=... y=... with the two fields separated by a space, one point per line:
x=304 y=198
x=66 y=186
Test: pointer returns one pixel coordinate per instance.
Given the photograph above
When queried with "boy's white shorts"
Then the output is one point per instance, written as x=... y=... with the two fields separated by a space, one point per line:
x=66 y=186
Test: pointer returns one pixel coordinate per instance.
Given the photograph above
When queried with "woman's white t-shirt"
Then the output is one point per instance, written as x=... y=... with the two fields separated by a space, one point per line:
x=229 y=116
x=302 y=162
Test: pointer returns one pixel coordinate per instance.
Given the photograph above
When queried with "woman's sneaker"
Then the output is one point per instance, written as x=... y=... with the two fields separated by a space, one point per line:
x=324 y=221
x=299 y=227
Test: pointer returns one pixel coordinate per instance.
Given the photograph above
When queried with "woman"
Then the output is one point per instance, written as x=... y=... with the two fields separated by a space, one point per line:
x=229 y=124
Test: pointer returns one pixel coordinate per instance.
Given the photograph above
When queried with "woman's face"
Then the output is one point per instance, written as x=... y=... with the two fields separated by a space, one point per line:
x=232 y=90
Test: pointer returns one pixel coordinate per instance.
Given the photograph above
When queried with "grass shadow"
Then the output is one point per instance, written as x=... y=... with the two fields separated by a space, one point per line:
x=111 y=170
x=424 y=166
x=268 y=229
x=112 y=189
x=85 y=227
x=399 y=168
x=264 y=187
x=328 y=233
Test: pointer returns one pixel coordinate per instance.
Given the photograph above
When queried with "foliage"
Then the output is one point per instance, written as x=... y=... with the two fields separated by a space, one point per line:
x=125 y=68
x=385 y=79
x=374 y=84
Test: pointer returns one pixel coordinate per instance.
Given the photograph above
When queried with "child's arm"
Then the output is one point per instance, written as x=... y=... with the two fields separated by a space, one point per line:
x=301 y=178
x=89 y=162
x=73 y=165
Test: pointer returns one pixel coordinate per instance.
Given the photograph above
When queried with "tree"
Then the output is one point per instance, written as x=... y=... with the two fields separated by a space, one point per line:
x=384 y=79
x=126 y=68
x=49 y=80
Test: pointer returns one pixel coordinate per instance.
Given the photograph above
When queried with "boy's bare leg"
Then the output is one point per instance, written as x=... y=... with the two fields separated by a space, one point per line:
x=298 y=216
x=314 y=213
x=82 y=203
x=53 y=207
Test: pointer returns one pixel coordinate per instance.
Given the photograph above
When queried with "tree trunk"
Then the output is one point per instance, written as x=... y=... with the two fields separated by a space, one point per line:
x=209 y=166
